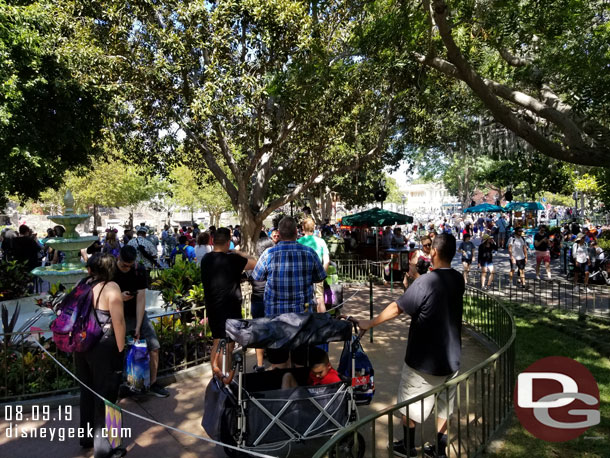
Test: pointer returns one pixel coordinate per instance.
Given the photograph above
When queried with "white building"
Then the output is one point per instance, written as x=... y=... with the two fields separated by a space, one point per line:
x=427 y=198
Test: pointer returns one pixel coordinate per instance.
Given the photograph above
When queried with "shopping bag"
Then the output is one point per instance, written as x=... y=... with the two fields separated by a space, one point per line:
x=114 y=422
x=137 y=366
x=363 y=381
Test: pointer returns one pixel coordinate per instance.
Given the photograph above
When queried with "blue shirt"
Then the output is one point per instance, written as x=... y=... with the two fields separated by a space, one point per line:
x=188 y=250
x=290 y=269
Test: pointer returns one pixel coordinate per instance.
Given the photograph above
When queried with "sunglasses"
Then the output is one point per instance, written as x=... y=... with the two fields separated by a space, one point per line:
x=426 y=245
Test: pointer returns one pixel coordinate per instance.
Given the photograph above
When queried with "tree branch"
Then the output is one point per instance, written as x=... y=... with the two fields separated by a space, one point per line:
x=319 y=178
x=571 y=131
x=577 y=153
x=213 y=165
x=514 y=60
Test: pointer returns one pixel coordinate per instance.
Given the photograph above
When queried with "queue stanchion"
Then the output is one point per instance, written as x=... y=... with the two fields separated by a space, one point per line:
x=392 y=274
x=371 y=305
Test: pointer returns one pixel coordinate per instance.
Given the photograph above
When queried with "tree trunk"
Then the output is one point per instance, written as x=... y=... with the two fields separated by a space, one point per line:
x=316 y=211
x=250 y=230
x=326 y=204
x=192 y=218
x=130 y=220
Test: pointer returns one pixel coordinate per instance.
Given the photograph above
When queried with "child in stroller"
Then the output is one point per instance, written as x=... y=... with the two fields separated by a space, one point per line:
x=321 y=372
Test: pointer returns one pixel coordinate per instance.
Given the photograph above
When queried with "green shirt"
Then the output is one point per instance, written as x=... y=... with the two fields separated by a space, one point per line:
x=317 y=244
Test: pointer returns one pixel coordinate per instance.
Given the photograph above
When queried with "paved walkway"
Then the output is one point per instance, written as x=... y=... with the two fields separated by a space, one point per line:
x=183 y=408
x=558 y=293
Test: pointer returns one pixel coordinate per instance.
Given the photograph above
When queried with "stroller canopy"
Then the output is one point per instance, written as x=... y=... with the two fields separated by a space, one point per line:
x=288 y=331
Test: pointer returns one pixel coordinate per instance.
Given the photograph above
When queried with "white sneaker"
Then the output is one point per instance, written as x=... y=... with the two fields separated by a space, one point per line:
x=587 y=290
x=538 y=277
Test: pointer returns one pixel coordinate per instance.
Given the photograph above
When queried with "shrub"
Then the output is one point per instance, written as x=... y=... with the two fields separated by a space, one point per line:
x=15 y=280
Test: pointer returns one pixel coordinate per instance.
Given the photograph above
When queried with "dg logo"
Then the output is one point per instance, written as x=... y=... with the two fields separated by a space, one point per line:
x=557 y=399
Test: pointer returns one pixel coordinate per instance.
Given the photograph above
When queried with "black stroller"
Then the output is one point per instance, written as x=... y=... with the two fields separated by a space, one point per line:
x=253 y=412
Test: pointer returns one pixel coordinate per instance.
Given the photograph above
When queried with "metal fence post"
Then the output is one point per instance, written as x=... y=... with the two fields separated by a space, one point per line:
x=371 y=304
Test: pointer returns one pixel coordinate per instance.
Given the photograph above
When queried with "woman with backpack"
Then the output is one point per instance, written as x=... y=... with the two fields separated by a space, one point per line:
x=100 y=367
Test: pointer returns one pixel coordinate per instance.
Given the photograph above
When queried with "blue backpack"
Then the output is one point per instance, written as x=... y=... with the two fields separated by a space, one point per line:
x=363 y=380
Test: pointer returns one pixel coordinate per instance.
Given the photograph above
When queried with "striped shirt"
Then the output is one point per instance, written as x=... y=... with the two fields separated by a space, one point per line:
x=290 y=269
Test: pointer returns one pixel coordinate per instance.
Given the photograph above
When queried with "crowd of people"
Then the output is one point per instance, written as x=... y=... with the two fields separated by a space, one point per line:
x=286 y=275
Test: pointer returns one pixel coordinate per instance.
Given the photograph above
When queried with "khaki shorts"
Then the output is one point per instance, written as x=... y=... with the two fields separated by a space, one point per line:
x=414 y=383
x=319 y=293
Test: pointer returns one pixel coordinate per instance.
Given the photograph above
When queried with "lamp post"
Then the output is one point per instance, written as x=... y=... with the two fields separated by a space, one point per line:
x=404 y=199
x=291 y=188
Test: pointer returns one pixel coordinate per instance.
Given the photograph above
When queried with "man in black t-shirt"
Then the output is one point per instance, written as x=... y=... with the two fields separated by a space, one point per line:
x=221 y=274
x=26 y=249
x=435 y=304
x=132 y=280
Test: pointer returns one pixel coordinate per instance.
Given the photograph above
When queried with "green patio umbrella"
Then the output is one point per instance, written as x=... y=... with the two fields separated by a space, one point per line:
x=517 y=206
x=376 y=217
x=485 y=208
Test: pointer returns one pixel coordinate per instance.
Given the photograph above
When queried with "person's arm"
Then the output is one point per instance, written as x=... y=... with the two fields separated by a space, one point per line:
x=251 y=260
x=140 y=309
x=259 y=273
x=115 y=307
x=389 y=313
x=325 y=258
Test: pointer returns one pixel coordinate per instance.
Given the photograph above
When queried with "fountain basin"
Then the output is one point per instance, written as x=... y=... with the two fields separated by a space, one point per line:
x=67 y=244
x=57 y=274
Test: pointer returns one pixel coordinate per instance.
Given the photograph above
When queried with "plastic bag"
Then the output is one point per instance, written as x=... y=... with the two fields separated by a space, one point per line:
x=333 y=295
x=137 y=366
x=363 y=379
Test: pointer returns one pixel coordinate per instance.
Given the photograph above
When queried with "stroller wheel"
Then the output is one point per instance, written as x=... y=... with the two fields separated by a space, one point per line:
x=352 y=446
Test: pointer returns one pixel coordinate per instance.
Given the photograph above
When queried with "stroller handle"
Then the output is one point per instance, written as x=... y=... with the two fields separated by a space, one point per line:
x=359 y=332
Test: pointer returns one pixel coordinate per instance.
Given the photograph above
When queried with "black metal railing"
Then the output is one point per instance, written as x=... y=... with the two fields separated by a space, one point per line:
x=28 y=373
x=483 y=394
x=560 y=294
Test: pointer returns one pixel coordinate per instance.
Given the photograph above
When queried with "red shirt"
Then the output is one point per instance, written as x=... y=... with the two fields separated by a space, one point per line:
x=331 y=377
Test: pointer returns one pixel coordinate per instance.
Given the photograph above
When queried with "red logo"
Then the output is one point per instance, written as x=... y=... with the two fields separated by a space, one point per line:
x=557 y=399
x=361 y=381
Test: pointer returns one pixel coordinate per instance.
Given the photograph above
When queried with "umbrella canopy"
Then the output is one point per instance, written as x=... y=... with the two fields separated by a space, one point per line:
x=376 y=217
x=530 y=206
x=484 y=208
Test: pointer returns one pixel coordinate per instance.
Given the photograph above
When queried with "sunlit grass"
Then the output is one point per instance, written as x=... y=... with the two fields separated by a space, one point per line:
x=541 y=333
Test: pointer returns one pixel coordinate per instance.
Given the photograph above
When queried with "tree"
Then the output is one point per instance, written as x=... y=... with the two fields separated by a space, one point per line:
x=51 y=116
x=589 y=187
x=185 y=189
x=214 y=199
x=267 y=93
x=541 y=73
x=110 y=183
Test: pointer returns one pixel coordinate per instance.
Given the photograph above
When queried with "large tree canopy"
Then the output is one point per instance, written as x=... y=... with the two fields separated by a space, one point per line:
x=50 y=117
x=261 y=93
x=541 y=69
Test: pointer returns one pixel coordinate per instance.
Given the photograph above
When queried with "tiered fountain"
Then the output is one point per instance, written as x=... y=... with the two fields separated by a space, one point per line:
x=72 y=269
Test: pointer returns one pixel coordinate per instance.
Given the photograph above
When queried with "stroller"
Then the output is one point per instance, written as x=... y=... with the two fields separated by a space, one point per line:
x=600 y=270
x=253 y=412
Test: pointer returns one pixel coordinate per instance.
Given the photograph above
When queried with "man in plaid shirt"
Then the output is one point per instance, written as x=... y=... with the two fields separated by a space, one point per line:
x=290 y=269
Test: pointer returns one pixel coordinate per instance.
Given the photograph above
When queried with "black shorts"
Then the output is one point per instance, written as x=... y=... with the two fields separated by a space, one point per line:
x=467 y=261
x=218 y=316
x=299 y=356
x=582 y=268
x=520 y=263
